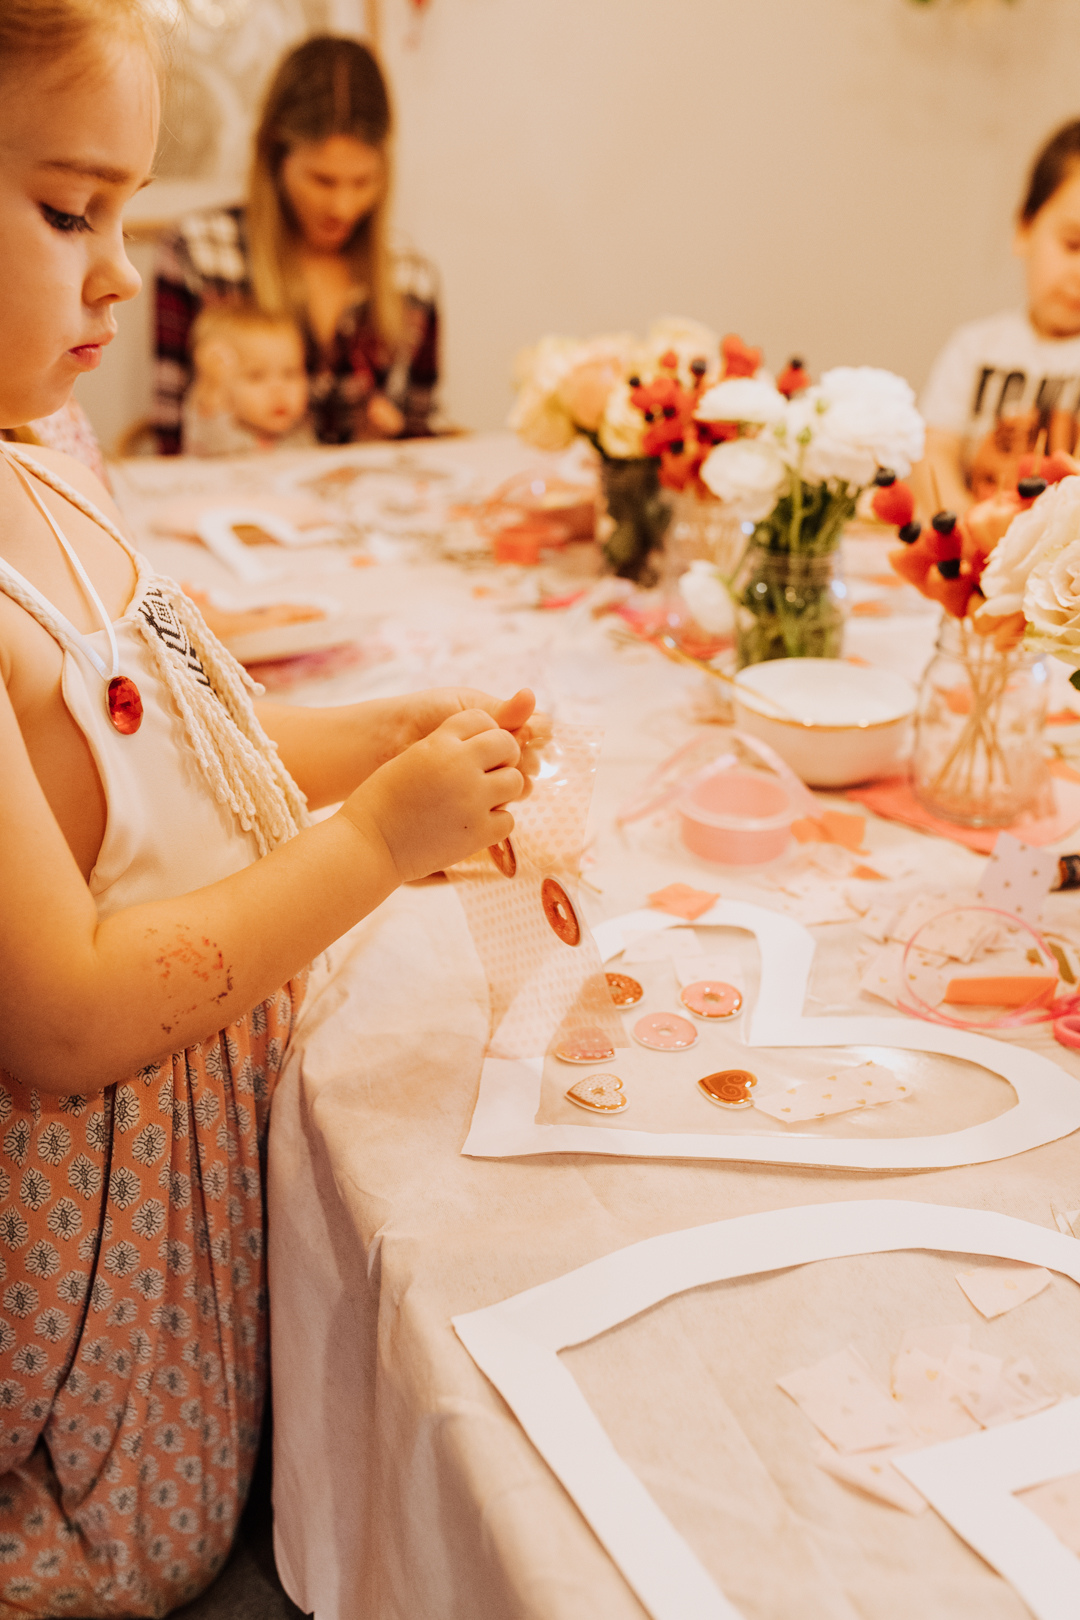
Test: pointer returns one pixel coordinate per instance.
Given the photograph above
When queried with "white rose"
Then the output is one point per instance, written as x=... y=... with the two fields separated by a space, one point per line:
x=747 y=474
x=742 y=399
x=708 y=599
x=1052 y=594
x=622 y=426
x=856 y=420
x=538 y=416
x=1005 y=577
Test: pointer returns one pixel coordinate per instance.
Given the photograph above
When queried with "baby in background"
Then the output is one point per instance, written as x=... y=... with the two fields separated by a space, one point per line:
x=251 y=388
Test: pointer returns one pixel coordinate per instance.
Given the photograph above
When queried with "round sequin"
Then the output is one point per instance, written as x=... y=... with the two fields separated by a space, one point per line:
x=124 y=704
x=585 y=1046
x=729 y=1088
x=504 y=857
x=711 y=998
x=625 y=991
x=600 y=1093
x=560 y=914
x=665 y=1032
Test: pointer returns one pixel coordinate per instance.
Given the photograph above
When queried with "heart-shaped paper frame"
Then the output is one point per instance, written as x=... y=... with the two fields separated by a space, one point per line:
x=1047 y=1097
x=517 y=1343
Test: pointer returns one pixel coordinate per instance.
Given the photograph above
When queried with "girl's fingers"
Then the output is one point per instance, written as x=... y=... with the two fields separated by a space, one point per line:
x=516 y=710
x=500 y=826
x=491 y=749
x=469 y=723
x=504 y=786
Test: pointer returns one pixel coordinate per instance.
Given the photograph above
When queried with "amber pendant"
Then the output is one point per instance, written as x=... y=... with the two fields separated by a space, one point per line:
x=124 y=704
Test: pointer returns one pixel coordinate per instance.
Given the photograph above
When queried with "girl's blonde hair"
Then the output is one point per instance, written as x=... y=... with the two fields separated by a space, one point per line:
x=55 y=28
x=326 y=86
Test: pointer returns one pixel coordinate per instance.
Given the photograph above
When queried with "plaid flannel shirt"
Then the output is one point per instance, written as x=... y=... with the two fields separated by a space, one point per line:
x=205 y=261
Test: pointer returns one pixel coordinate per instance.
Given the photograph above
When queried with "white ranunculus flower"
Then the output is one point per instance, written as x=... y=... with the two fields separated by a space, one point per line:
x=708 y=598
x=742 y=399
x=747 y=474
x=857 y=419
x=622 y=426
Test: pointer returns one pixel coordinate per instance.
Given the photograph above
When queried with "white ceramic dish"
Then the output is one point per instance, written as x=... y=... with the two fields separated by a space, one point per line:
x=848 y=723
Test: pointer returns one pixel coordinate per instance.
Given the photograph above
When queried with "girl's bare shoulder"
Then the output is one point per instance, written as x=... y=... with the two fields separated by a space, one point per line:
x=80 y=477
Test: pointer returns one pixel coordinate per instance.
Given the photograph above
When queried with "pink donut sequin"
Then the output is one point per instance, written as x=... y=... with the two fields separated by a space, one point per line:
x=585 y=1046
x=665 y=1032
x=712 y=998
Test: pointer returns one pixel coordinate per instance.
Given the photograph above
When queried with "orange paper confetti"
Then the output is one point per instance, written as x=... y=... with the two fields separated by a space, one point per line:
x=680 y=900
x=1006 y=990
x=831 y=827
x=868 y=873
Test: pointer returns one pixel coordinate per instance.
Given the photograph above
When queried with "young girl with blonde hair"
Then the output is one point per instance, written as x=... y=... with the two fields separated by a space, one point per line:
x=163 y=892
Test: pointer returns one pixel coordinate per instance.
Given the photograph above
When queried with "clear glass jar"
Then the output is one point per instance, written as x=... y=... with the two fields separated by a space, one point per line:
x=789 y=605
x=702 y=531
x=978 y=758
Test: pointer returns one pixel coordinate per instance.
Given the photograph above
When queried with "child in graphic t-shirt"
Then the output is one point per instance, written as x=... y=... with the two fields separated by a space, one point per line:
x=1002 y=383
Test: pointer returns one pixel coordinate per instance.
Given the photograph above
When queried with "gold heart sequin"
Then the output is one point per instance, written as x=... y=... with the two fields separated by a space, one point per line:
x=600 y=1093
x=729 y=1088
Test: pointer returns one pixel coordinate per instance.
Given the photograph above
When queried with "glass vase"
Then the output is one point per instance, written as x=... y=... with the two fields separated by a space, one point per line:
x=978 y=758
x=634 y=515
x=702 y=530
x=788 y=605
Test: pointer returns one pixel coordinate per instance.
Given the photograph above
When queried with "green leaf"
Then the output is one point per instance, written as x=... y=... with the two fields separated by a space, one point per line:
x=1074 y=679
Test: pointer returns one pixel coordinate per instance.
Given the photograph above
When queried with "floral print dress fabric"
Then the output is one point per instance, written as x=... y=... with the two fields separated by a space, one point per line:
x=133 y=1325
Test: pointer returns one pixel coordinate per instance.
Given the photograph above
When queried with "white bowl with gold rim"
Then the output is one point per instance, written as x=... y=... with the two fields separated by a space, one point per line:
x=834 y=723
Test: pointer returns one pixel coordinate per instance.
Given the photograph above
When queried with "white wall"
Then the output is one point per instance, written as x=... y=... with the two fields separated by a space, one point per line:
x=834 y=178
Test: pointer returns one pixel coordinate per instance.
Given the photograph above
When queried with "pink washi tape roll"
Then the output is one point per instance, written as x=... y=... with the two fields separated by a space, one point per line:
x=711 y=998
x=665 y=1032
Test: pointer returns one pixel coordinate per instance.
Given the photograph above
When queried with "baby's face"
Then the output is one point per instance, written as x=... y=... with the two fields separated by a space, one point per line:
x=268 y=385
x=1050 y=247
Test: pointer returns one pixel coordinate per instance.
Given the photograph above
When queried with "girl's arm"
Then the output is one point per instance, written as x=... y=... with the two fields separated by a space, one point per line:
x=84 y=1004
x=329 y=752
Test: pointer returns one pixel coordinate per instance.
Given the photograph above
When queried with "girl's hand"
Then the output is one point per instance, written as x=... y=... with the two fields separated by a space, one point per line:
x=445 y=797
x=517 y=715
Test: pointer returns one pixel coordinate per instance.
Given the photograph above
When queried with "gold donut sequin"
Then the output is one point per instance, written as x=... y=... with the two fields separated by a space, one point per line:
x=504 y=857
x=625 y=991
x=728 y=1088
x=561 y=916
x=599 y=1093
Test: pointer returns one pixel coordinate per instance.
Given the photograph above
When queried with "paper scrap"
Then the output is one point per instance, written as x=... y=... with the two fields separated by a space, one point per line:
x=872 y=1471
x=695 y=969
x=937 y=1342
x=1017 y=878
x=1057 y=1504
x=993 y=1392
x=993 y=1290
x=930 y=1401
x=865 y=1086
x=842 y=1400
x=660 y=946
x=946 y=928
x=868 y=874
x=885 y=977
x=682 y=901
x=1066 y=1220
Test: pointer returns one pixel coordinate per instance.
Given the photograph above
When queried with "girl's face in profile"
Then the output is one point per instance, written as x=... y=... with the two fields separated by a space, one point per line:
x=77 y=139
x=331 y=186
x=1050 y=247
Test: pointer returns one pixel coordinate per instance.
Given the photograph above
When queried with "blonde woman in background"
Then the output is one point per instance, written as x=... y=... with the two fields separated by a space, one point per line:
x=312 y=243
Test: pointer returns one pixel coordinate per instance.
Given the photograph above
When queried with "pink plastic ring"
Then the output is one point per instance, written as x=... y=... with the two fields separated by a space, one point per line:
x=1067 y=1031
x=665 y=1032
